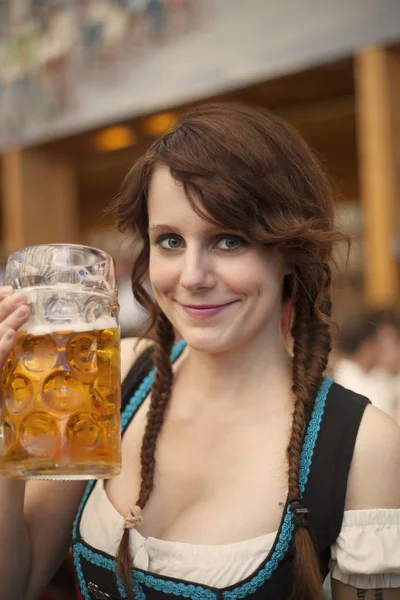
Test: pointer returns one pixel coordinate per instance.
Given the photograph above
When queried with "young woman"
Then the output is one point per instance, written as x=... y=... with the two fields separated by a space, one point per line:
x=246 y=473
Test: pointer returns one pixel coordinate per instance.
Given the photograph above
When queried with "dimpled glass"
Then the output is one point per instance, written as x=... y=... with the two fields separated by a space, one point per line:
x=60 y=412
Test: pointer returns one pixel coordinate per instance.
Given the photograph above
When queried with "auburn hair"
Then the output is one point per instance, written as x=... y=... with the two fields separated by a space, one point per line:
x=244 y=169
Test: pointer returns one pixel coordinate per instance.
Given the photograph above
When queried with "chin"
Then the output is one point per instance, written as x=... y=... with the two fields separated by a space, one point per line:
x=211 y=342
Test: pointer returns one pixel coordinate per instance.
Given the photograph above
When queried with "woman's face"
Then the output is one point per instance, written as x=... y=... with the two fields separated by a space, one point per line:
x=218 y=289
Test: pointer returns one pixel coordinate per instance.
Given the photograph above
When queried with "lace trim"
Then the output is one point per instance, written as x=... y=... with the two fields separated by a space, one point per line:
x=189 y=590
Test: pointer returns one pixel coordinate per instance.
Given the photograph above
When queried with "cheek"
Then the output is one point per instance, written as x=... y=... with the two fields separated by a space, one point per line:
x=254 y=278
x=245 y=282
x=163 y=276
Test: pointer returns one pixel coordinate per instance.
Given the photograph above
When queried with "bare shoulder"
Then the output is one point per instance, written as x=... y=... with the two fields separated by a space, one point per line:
x=131 y=348
x=374 y=479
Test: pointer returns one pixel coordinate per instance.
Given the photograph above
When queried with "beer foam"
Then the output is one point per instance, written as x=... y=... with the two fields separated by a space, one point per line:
x=76 y=327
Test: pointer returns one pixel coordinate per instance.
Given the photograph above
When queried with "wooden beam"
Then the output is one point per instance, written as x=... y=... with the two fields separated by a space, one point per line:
x=39 y=199
x=375 y=74
x=12 y=201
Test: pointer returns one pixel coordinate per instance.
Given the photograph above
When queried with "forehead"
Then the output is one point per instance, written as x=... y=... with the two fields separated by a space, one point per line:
x=167 y=201
x=164 y=190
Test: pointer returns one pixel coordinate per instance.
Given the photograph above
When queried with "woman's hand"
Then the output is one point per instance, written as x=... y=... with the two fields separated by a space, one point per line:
x=14 y=312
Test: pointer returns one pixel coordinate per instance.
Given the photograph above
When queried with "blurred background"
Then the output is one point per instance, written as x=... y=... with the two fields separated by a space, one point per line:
x=86 y=85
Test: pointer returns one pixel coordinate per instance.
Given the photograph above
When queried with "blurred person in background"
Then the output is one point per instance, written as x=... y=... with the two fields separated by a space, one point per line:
x=369 y=363
x=388 y=367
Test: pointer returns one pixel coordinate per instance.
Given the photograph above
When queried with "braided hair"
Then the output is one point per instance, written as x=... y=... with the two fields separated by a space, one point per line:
x=311 y=346
x=160 y=394
x=247 y=171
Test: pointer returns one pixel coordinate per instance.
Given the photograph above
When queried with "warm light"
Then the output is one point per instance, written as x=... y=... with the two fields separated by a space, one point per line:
x=159 y=124
x=114 y=138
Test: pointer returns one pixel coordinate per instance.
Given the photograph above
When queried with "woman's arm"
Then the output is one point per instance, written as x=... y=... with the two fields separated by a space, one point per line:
x=374 y=479
x=35 y=533
x=374 y=483
x=340 y=591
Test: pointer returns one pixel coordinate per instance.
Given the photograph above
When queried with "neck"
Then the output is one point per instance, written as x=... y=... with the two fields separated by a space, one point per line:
x=255 y=371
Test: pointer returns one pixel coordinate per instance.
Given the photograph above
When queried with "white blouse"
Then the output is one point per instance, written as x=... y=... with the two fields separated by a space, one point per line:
x=366 y=553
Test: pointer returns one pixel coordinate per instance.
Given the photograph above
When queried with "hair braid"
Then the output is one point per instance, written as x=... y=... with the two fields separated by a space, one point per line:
x=311 y=346
x=160 y=394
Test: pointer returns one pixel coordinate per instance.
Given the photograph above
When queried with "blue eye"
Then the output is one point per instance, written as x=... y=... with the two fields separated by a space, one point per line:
x=230 y=242
x=169 y=242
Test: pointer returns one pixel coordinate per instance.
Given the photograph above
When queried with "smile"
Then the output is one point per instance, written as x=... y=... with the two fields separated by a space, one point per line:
x=202 y=311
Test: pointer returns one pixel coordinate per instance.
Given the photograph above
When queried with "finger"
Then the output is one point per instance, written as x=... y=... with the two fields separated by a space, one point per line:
x=7 y=343
x=14 y=321
x=5 y=291
x=10 y=303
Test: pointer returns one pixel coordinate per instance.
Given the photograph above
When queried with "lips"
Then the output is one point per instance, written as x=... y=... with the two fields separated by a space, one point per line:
x=205 y=306
x=202 y=311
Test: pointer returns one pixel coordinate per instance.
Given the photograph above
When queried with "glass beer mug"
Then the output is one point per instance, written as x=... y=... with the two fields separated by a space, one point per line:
x=60 y=408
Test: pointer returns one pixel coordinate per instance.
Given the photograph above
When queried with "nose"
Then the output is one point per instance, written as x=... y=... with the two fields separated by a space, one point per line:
x=197 y=271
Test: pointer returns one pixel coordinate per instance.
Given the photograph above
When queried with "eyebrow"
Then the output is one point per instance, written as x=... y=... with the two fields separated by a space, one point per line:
x=164 y=226
x=161 y=226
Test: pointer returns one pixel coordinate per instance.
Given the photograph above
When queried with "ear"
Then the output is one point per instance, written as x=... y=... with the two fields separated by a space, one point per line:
x=287 y=268
x=286 y=320
x=285 y=263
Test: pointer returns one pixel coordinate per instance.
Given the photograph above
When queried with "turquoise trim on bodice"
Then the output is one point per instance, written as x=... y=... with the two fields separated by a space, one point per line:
x=187 y=589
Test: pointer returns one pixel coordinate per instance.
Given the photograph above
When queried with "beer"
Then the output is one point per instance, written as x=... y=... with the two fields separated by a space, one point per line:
x=61 y=402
